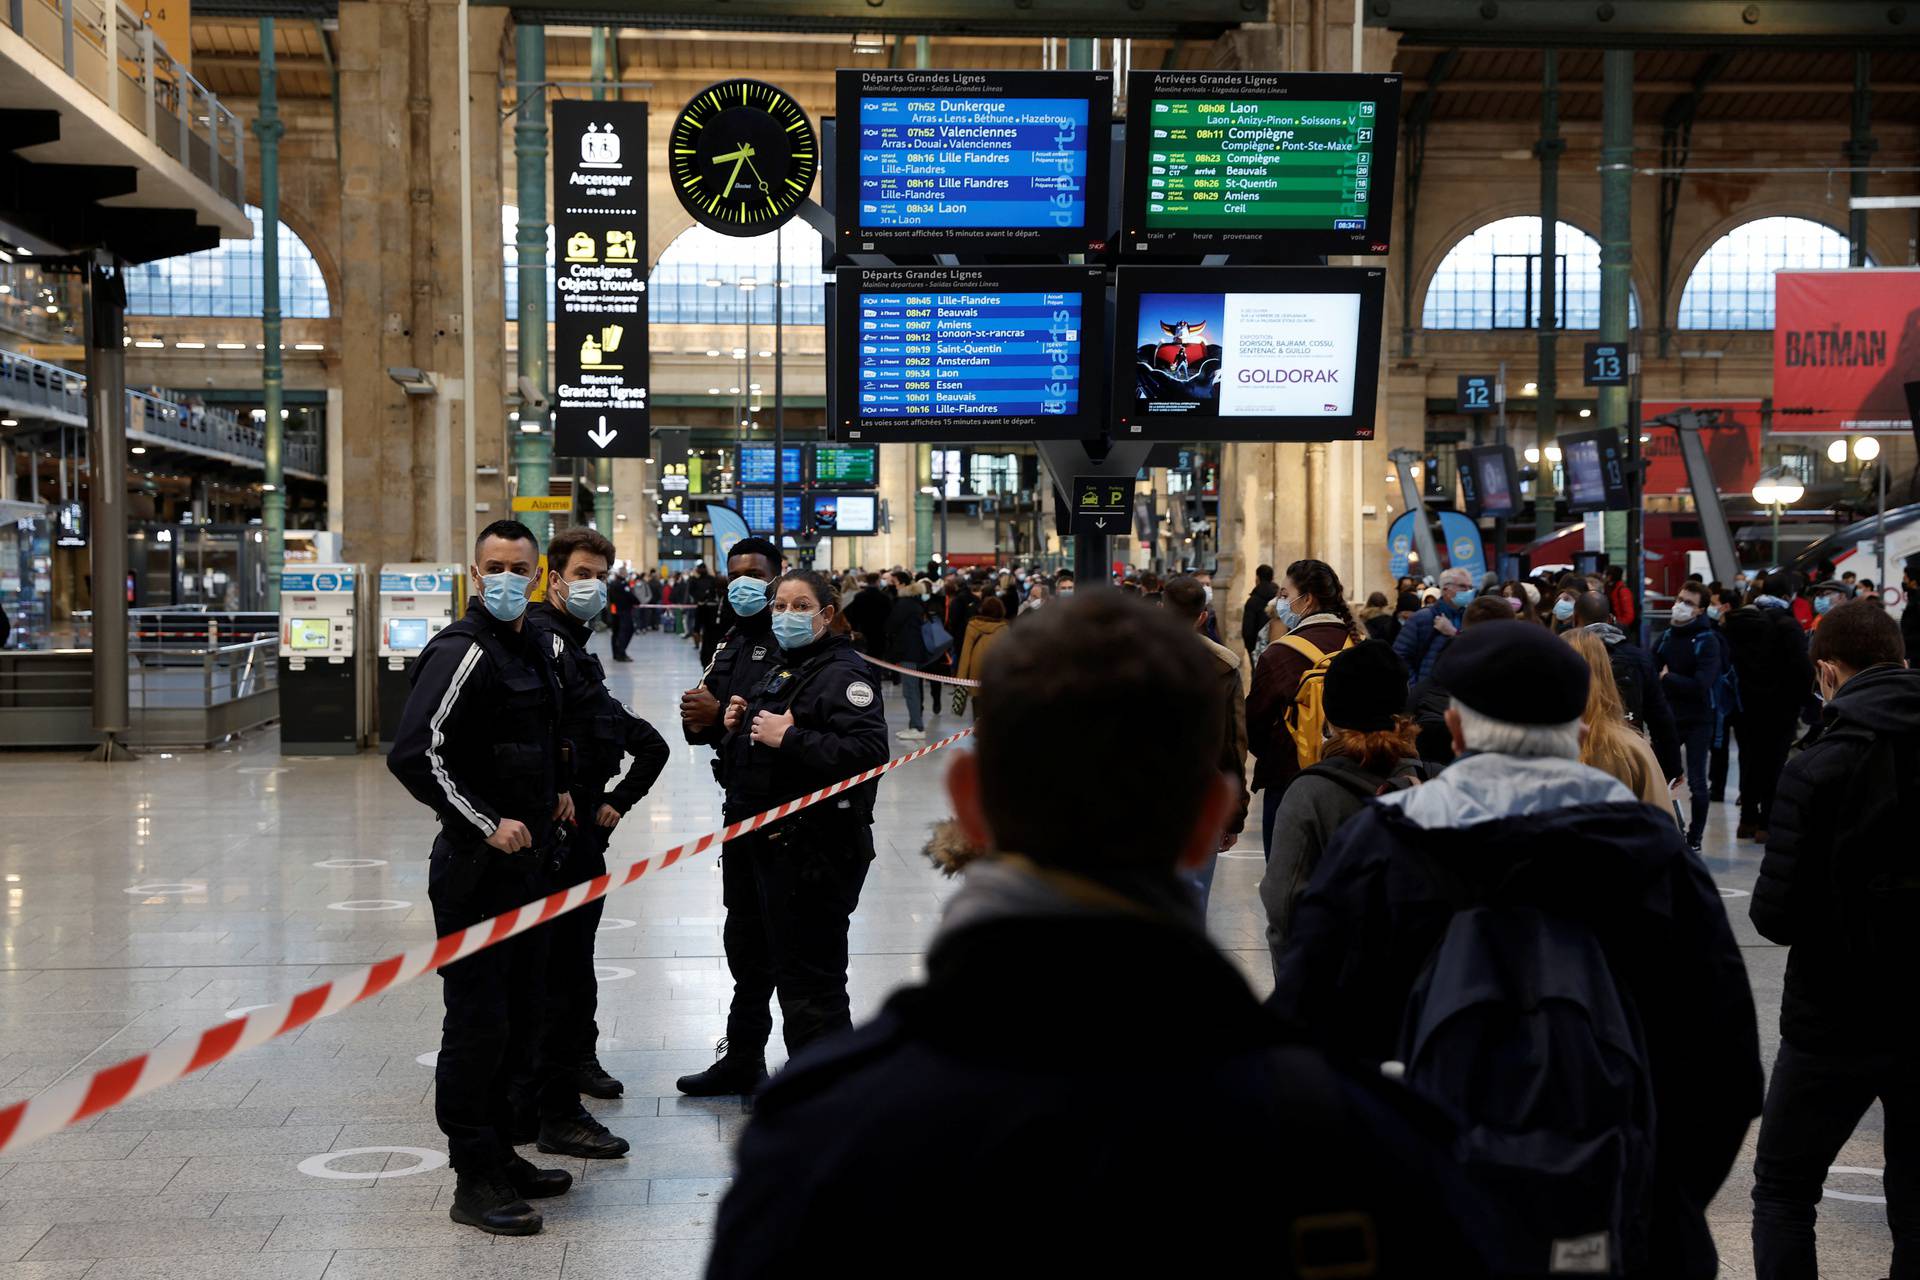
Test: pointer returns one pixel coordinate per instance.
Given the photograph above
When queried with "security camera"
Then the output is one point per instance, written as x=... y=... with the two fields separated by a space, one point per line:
x=532 y=399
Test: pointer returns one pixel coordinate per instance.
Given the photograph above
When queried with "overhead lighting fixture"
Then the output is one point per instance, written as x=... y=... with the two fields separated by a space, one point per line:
x=869 y=43
x=309 y=346
x=1530 y=388
x=765 y=354
x=190 y=346
x=139 y=448
x=230 y=346
x=148 y=342
x=1837 y=451
x=415 y=382
x=1586 y=413
x=5 y=256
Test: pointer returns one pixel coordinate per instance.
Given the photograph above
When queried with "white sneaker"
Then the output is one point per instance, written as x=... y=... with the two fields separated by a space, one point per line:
x=912 y=735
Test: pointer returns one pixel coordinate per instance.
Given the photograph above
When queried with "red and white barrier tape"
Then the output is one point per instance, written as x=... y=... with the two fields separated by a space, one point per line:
x=74 y=1100
x=922 y=675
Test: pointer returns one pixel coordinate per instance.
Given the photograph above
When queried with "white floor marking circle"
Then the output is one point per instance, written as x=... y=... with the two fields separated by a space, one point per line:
x=320 y=1166
x=369 y=904
x=431 y=1058
x=610 y=972
x=1734 y=893
x=350 y=864
x=610 y=923
x=160 y=887
x=1831 y=1194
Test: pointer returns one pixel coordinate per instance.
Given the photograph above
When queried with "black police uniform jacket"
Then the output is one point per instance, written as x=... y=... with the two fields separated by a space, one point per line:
x=738 y=665
x=839 y=729
x=601 y=731
x=480 y=739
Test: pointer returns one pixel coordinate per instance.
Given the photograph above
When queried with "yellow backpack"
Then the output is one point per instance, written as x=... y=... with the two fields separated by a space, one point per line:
x=1307 y=717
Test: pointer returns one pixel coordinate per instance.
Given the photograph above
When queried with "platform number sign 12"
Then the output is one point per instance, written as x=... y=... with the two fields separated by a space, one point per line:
x=1475 y=394
x=1606 y=364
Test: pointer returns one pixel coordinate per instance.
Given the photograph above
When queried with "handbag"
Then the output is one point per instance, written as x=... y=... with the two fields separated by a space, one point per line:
x=935 y=636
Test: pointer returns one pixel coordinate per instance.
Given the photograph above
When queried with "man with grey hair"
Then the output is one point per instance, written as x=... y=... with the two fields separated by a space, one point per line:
x=1533 y=857
x=1429 y=631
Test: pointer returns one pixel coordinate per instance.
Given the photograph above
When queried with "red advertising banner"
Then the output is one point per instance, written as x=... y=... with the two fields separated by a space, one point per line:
x=1845 y=344
x=1733 y=445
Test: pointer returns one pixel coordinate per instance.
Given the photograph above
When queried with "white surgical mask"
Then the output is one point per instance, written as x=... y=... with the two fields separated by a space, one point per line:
x=1683 y=613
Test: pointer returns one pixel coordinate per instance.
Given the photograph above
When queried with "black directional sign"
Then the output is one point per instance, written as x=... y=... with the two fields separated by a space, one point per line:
x=1103 y=504
x=1476 y=393
x=1605 y=364
x=600 y=285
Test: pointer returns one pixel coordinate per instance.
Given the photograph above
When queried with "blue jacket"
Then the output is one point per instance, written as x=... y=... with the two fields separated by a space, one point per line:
x=1694 y=657
x=1420 y=645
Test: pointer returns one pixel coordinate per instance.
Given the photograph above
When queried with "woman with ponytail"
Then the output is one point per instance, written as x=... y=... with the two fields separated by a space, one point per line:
x=1311 y=621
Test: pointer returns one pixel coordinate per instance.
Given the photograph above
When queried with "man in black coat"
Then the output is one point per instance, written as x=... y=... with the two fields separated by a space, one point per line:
x=870 y=1144
x=1638 y=677
x=1253 y=615
x=867 y=615
x=1776 y=676
x=1520 y=820
x=1840 y=885
x=906 y=647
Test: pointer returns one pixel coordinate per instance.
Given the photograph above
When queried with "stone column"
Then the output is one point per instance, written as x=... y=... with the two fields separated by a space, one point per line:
x=400 y=268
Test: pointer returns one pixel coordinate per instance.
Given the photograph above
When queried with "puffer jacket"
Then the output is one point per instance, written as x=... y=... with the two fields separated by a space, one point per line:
x=1571 y=840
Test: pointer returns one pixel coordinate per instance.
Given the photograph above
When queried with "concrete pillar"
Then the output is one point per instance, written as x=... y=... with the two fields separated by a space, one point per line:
x=401 y=270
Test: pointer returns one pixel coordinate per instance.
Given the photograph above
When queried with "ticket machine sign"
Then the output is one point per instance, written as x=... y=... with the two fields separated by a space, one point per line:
x=1102 y=504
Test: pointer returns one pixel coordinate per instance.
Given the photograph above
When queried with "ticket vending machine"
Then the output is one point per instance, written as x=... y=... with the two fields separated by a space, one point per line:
x=323 y=684
x=416 y=601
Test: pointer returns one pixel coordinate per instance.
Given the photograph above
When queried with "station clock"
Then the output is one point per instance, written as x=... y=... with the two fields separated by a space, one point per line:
x=743 y=157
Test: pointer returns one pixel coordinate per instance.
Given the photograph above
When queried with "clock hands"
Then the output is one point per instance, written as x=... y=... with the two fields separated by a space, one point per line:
x=741 y=155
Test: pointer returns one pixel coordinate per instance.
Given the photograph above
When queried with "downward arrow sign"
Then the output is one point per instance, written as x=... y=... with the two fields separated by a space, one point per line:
x=602 y=435
x=1101 y=523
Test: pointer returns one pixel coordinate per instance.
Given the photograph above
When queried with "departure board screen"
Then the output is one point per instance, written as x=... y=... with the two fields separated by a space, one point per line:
x=1280 y=165
x=1248 y=353
x=945 y=161
x=756 y=464
x=757 y=510
x=845 y=466
x=847 y=514
x=963 y=353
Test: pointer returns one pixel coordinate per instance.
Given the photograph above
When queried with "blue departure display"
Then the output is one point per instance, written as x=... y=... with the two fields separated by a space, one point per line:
x=756 y=466
x=934 y=160
x=757 y=510
x=974 y=354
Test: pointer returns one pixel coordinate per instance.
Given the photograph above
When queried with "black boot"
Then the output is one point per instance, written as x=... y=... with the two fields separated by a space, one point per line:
x=536 y=1184
x=735 y=1072
x=488 y=1201
x=590 y=1078
x=581 y=1135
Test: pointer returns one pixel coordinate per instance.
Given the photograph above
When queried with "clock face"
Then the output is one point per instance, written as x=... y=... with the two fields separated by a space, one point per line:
x=743 y=157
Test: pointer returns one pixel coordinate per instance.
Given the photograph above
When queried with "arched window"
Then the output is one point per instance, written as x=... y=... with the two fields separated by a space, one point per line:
x=1491 y=279
x=704 y=277
x=225 y=280
x=1732 y=285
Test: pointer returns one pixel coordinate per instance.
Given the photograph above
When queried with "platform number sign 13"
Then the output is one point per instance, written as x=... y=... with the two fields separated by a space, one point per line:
x=1607 y=364
x=1475 y=394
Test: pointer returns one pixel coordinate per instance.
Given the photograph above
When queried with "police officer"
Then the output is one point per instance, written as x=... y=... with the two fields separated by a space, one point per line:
x=739 y=663
x=479 y=743
x=601 y=733
x=813 y=719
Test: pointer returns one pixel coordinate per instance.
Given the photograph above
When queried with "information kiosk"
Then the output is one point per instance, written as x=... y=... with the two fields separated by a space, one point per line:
x=323 y=680
x=416 y=601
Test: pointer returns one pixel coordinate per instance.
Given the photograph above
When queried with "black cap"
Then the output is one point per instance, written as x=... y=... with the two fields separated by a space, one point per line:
x=1366 y=687
x=1520 y=674
x=1829 y=585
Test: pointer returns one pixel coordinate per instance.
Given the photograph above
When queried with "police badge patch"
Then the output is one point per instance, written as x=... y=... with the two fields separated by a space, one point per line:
x=860 y=693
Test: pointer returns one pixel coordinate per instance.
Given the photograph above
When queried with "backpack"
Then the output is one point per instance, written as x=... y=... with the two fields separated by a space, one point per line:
x=1875 y=870
x=1307 y=717
x=1633 y=690
x=1517 y=1028
x=1724 y=697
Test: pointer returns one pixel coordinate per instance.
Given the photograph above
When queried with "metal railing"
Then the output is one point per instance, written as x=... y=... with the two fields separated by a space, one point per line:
x=26 y=383
x=177 y=695
x=109 y=49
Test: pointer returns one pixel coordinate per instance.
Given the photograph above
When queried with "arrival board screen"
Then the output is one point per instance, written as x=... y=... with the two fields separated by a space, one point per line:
x=845 y=466
x=757 y=510
x=1248 y=353
x=1252 y=163
x=962 y=353
x=945 y=160
x=756 y=464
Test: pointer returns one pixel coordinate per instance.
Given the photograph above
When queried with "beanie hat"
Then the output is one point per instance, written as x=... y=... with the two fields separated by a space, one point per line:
x=1366 y=687
x=1519 y=675
x=1409 y=602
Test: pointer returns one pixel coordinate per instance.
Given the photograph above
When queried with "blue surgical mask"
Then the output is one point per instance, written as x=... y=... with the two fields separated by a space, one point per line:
x=1713 y=612
x=1822 y=603
x=586 y=597
x=1563 y=609
x=505 y=594
x=1286 y=616
x=1460 y=597
x=793 y=630
x=748 y=596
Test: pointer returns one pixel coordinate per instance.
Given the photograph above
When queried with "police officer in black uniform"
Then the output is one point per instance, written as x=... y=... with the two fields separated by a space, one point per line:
x=815 y=718
x=739 y=663
x=600 y=732
x=479 y=743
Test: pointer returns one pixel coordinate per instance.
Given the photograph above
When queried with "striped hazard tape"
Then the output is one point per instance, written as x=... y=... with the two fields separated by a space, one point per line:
x=922 y=675
x=74 y=1100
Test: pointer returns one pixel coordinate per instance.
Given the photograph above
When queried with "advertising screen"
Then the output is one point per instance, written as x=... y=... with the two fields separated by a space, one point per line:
x=947 y=160
x=961 y=353
x=1256 y=353
x=1489 y=481
x=407 y=635
x=849 y=514
x=1595 y=465
x=757 y=510
x=845 y=466
x=309 y=633
x=756 y=464
x=1258 y=163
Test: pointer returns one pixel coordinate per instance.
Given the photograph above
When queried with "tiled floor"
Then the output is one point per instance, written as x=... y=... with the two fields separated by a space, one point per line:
x=144 y=901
